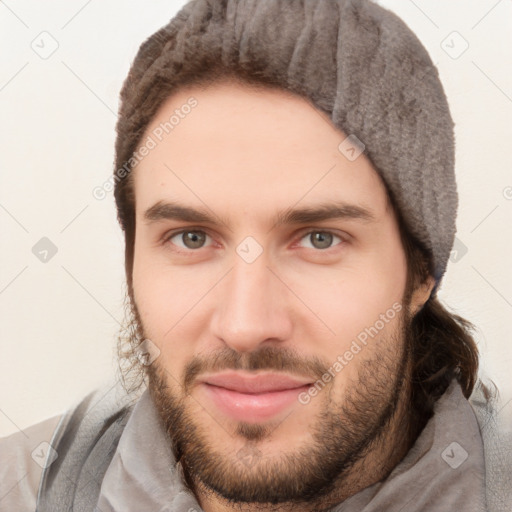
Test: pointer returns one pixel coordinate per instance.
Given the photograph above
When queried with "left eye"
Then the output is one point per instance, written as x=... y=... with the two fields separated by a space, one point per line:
x=191 y=239
x=320 y=239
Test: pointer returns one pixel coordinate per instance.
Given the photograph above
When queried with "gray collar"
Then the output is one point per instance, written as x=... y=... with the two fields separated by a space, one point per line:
x=444 y=470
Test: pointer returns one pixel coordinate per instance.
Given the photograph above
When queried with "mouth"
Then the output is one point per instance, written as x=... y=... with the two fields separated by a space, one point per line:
x=253 y=397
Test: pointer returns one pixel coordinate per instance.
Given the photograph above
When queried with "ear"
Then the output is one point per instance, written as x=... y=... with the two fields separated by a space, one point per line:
x=421 y=295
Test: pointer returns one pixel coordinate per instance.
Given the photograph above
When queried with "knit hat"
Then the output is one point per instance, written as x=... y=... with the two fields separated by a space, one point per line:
x=353 y=59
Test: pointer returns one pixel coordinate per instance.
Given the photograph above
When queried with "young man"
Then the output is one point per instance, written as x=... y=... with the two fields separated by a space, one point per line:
x=285 y=182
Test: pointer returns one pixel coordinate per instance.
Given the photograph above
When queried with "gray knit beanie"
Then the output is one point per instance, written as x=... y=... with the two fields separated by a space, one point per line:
x=353 y=59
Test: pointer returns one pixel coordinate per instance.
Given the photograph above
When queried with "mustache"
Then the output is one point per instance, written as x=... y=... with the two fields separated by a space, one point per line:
x=265 y=358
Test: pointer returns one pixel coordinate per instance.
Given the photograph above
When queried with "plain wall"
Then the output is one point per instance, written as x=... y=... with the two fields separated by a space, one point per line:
x=59 y=318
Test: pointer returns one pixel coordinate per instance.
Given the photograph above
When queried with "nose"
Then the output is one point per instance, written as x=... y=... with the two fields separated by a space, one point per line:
x=251 y=307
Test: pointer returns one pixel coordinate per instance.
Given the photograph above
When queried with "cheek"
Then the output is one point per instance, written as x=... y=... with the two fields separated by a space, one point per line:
x=360 y=304
x=156 y=298
x=161 y=292
x=352 y=298
x=378 y=280
x=170 y=301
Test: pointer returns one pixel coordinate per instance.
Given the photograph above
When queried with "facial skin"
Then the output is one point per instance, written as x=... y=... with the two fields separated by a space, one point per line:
x=211 y=307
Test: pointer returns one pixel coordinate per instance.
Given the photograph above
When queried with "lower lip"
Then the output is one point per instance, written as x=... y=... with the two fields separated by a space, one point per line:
x=252 y=407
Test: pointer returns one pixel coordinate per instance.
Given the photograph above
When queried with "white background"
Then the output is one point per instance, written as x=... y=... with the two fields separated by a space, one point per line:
x=59 y=319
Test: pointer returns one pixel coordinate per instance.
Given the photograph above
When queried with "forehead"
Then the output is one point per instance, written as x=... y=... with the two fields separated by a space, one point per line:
x=239 y=148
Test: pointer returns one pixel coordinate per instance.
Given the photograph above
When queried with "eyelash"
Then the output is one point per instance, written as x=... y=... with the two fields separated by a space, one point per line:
x=168 y=236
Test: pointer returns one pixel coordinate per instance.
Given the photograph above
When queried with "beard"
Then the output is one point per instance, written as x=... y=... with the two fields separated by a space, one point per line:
x=343 y=433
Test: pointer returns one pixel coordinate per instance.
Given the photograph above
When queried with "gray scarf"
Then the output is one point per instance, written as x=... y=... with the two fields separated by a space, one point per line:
x=443 y=472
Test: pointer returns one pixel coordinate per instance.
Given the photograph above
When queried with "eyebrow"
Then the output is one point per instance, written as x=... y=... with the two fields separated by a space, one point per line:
x=164 y=210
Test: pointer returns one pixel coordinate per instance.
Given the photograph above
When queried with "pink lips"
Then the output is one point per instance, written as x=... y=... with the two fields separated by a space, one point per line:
x=252 y=398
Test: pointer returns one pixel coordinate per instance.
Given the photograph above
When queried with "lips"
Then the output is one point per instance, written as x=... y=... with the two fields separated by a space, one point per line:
x=252 y=384
x=252 y=397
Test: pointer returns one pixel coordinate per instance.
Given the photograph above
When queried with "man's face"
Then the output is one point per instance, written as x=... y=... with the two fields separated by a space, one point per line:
x=281 y=344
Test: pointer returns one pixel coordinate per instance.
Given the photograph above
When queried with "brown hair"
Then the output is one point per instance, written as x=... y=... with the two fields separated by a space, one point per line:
x=443 y=347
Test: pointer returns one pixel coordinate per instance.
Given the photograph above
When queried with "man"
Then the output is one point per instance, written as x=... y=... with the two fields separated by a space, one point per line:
x=285 y=182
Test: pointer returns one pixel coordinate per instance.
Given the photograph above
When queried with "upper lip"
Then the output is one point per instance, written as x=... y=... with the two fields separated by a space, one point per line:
x=254 y=383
